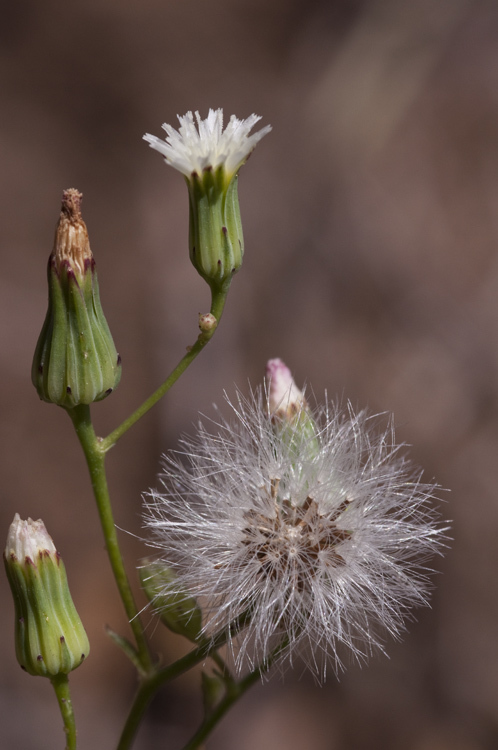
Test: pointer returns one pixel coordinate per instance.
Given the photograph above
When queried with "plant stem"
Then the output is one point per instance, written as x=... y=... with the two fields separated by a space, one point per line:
x=234 y=691
x=61 y=687
x=153 y=681
x=150 y=685
x=95 y=458
x=218 y=300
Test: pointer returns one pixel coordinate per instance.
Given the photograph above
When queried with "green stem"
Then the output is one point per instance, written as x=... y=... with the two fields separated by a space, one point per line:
x=233 y=694
x=222 y=665
x=217 y=304
x=234 y=691
x=95 y=458
x=149 y=687
x=61 y=687
x=153 y=681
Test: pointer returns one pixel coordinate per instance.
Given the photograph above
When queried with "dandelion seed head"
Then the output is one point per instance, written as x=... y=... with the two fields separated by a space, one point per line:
x=323 y=540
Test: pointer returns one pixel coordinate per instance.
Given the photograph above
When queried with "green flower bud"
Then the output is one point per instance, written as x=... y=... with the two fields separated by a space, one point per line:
x=210 y=158
x=291 y=418
x=178 y=610
x=50 y=639
x=75 y=360
x=216 y=241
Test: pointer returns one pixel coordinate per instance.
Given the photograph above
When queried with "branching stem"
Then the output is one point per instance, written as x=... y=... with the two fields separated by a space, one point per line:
x=218 y=300
x=234 y=691
x=95 y=458
x=95 y=450
x=152 y=682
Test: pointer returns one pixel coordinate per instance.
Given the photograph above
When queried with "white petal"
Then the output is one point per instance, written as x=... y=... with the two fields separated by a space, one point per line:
x=200 y=144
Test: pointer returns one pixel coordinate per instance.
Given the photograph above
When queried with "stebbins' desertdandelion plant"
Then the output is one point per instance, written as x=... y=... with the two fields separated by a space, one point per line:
x=285 y=533
x=309 y=524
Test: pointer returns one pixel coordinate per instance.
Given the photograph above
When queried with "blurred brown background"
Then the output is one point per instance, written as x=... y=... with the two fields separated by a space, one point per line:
x=371 y=224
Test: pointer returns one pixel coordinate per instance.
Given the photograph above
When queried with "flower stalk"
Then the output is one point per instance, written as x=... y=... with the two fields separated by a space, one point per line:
x=151 y=683
x=63 y=695
x=205 y=336
x=95 y=458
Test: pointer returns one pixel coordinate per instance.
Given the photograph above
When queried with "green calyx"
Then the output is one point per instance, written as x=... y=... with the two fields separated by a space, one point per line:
x=177 y=610
x=49 y=636
x=75 y=360
x=215 y=229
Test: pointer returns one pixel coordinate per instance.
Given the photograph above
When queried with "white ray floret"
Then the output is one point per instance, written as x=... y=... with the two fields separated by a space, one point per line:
x=203 y=144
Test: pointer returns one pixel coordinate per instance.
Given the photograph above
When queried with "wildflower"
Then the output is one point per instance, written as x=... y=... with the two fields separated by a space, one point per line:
x=207 y=146
x=50 y=639
x=324 y=549
x=210 y=158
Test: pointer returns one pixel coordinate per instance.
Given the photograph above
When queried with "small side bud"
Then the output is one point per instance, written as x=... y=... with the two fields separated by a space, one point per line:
x=178 y=610
x=207 y=322
x=50 y=639
x=288 y=409
x=285 y=400
x=75 y=360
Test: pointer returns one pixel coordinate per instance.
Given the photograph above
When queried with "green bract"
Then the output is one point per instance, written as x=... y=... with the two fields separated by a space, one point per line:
x=215 y=230
x=210 y=157
x=178 y=610
x=75 y=360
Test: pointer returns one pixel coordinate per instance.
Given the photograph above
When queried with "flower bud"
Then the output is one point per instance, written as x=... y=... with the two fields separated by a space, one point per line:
x=285 y=400
x=178 y=610
x=210 y=158
x=75 y=360
x=207 y=322
x=291 y=418
x=50 y=639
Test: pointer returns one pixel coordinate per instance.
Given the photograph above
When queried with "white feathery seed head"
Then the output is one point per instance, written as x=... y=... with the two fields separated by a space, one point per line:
x=203 y=144
x=326 y=553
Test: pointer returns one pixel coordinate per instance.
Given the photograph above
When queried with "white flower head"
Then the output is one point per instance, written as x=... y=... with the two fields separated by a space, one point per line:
x=325 y=553
x=203 y=144
x=28 y=539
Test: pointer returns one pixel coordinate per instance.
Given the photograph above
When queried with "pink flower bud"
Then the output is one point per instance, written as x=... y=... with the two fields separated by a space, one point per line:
x=285 y=400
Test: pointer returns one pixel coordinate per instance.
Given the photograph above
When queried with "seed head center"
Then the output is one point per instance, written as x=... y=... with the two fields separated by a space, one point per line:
x=294 y=541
